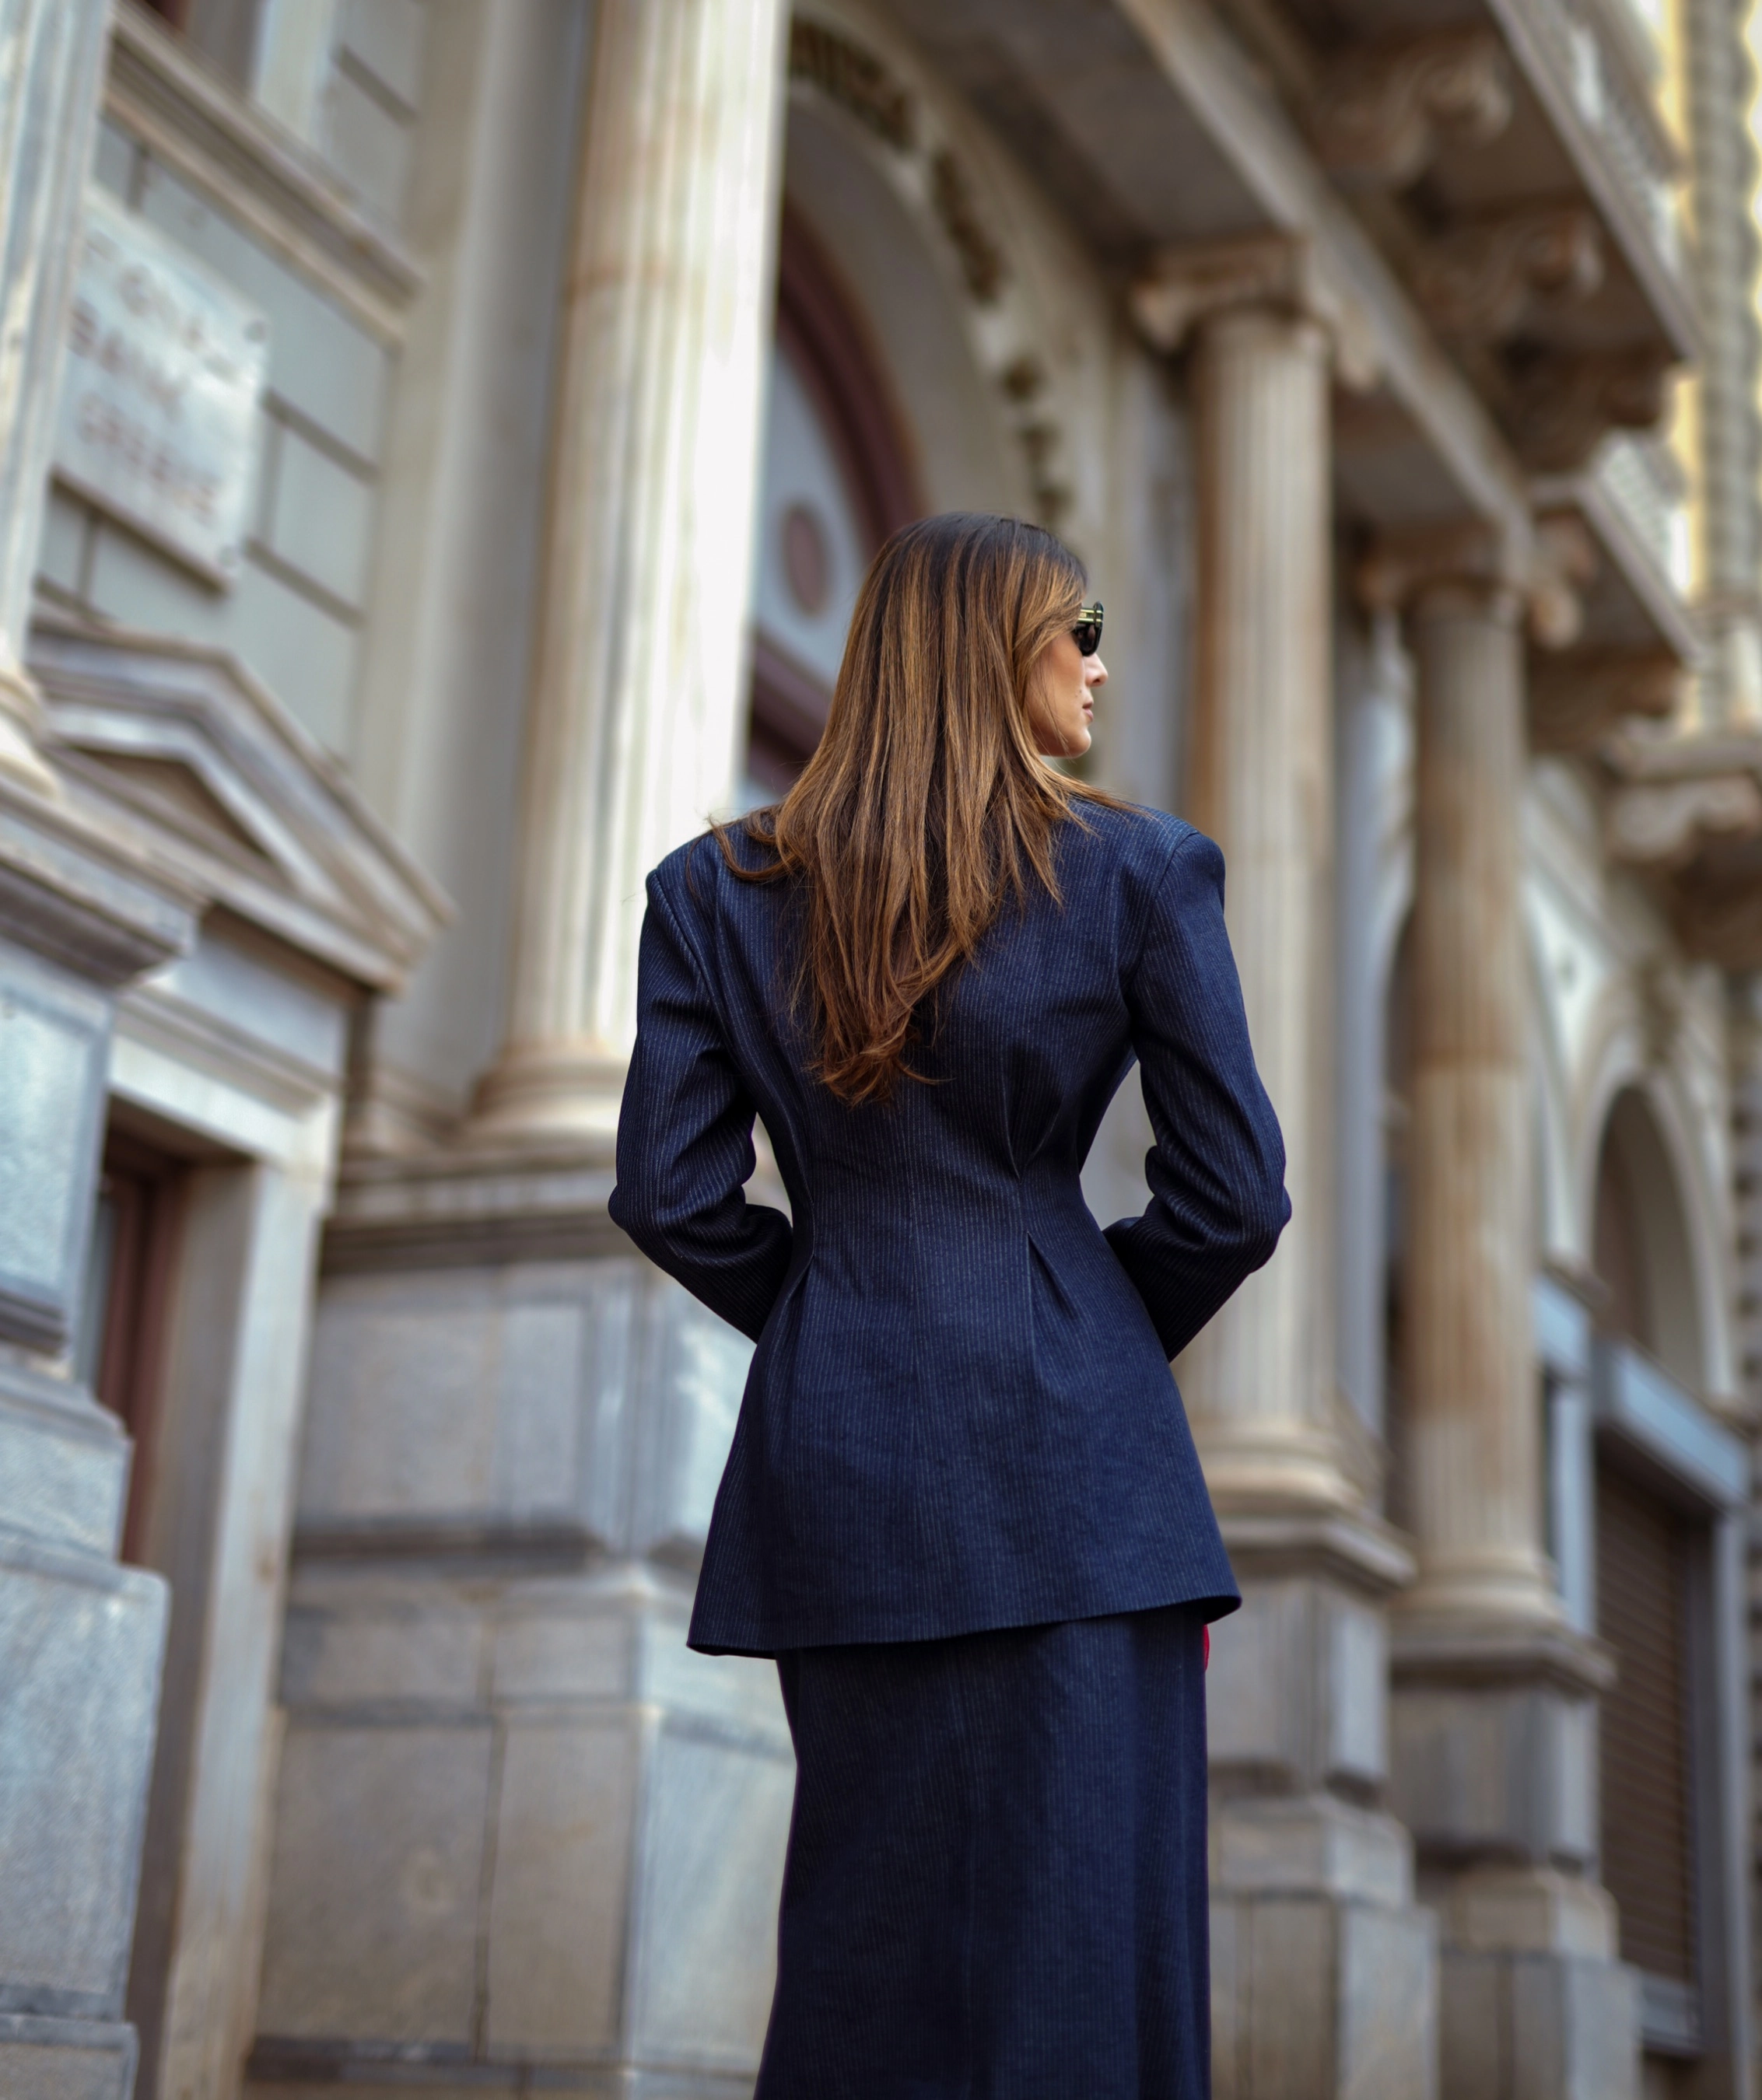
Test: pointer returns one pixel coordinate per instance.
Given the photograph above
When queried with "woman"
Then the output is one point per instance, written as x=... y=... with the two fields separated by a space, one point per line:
x=962 y=1509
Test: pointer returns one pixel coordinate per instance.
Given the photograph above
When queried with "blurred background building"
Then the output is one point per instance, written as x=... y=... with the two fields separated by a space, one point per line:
x=440 y=442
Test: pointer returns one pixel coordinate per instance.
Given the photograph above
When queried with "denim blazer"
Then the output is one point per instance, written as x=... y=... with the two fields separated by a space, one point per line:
x=959 y=1415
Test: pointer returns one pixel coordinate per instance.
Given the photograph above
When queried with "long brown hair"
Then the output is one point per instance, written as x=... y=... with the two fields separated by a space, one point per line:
x=926 y=807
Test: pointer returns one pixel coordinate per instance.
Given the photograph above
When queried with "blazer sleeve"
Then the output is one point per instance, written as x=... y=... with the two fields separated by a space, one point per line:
x=685 y=1140
x=1217 y=1173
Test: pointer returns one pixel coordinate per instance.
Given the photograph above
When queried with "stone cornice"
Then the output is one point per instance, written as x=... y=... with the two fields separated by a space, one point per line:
x=79 y=893
x=176 y=743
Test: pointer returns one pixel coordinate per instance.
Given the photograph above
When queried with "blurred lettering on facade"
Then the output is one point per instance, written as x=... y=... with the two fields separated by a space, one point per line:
x=440 y=441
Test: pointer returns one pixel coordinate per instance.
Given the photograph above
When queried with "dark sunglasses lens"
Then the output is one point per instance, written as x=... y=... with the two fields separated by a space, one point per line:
x=1088 y=638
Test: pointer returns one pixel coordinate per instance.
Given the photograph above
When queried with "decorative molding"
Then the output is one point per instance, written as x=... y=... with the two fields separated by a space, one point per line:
x=1480 y=282
x=179 y=745
x=1563 y=405
x=1576 y=701
x=87 y=895
x=1382 y=112
x=201 y=128
x=856 y=80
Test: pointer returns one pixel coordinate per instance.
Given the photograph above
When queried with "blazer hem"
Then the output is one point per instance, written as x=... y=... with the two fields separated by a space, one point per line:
x=878 y=1630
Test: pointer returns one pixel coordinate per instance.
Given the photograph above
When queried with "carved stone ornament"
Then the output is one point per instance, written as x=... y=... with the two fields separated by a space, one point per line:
x=1382 y=111
x=1576 y=701
x=1661 y=825
x=1562 y=562
x=1185 y=286
x=1564 y=405
x=1481 y=283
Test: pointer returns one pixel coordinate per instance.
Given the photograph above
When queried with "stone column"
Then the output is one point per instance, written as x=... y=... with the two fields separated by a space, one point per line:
x=1494 y=1690
x=1259 y=1381
x=1324 y=1972
x=51 y=52
x=1472 y=1429
x=635 y=705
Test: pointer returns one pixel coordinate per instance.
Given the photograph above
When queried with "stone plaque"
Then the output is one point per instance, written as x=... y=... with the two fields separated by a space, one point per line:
x=158 y=419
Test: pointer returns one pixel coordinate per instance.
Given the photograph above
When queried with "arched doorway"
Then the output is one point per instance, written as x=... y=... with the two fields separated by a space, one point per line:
x=836 y=480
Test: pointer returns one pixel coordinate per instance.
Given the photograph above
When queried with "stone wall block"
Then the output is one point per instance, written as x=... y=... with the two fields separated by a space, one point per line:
x=375 y=1936
x=493 y=1396
x=80 y=1641
x=1389 y=1993
x=49 y=2059
x=561 y=1872
x=1299 y=1689
x=1536 y=2027
x=1493 y=1768
x=397 y=1653
x=55 y=1036
x=711 y=1876
x=63 y=1463
x=556 y=1650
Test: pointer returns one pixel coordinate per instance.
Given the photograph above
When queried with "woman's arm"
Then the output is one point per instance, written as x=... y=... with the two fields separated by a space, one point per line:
x=1216 y=1175
x=685 y=1140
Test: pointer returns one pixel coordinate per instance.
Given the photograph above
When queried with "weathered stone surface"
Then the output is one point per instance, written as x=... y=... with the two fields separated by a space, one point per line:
x=1313 y=1999
x=1503 y=1768
x=706 y=1920
x=1536 y=2027
x=375 y=1883
x=64 y=1463
x=564 y=1834
x=51 y=2059
x=80 y=1645
x=336 y=1659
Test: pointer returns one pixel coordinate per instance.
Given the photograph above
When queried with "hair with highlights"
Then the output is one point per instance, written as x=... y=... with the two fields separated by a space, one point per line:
x=926 y=807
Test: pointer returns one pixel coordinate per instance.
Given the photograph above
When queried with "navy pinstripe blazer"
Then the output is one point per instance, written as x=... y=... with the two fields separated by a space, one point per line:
x=960 y=1414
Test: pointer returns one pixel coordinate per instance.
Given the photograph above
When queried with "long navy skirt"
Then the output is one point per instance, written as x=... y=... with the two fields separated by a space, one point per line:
x=996 y=1886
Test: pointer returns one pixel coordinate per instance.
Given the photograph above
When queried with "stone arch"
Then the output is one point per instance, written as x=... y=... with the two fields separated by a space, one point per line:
x=877 y=165
x=1642 y=1236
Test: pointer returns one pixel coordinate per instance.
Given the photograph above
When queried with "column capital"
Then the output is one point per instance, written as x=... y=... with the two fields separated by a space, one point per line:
x=1536 y=575
x=1183 y=288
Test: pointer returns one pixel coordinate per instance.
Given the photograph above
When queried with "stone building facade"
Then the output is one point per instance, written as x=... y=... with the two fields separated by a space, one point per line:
x=439 y=440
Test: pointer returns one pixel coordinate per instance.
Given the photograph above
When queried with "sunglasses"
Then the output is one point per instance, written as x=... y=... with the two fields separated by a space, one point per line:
x=1087 y=631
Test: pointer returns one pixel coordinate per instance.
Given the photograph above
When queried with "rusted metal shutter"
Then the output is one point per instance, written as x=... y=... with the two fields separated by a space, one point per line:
x=1642 y=1561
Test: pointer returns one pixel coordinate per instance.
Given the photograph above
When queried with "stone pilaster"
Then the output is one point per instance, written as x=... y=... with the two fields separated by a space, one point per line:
x=635 y=707
x=1324 y=1972
x=1494 y=1690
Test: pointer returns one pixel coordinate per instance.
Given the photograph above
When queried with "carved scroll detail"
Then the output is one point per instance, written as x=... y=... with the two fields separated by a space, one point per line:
x=1576 y=701
x=1382 y=111
x=1564 y=404
x=1660 y=826
x=1480 y=282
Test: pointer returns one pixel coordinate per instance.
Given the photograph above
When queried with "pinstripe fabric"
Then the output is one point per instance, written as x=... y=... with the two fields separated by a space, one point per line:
x=960 y=1414
x=996 y=1886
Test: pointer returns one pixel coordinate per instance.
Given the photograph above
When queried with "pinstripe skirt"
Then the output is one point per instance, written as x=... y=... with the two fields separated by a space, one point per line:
x=996 y=1886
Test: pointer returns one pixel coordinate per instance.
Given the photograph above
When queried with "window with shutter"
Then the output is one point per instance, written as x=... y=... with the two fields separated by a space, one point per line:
x=1643 y=1548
